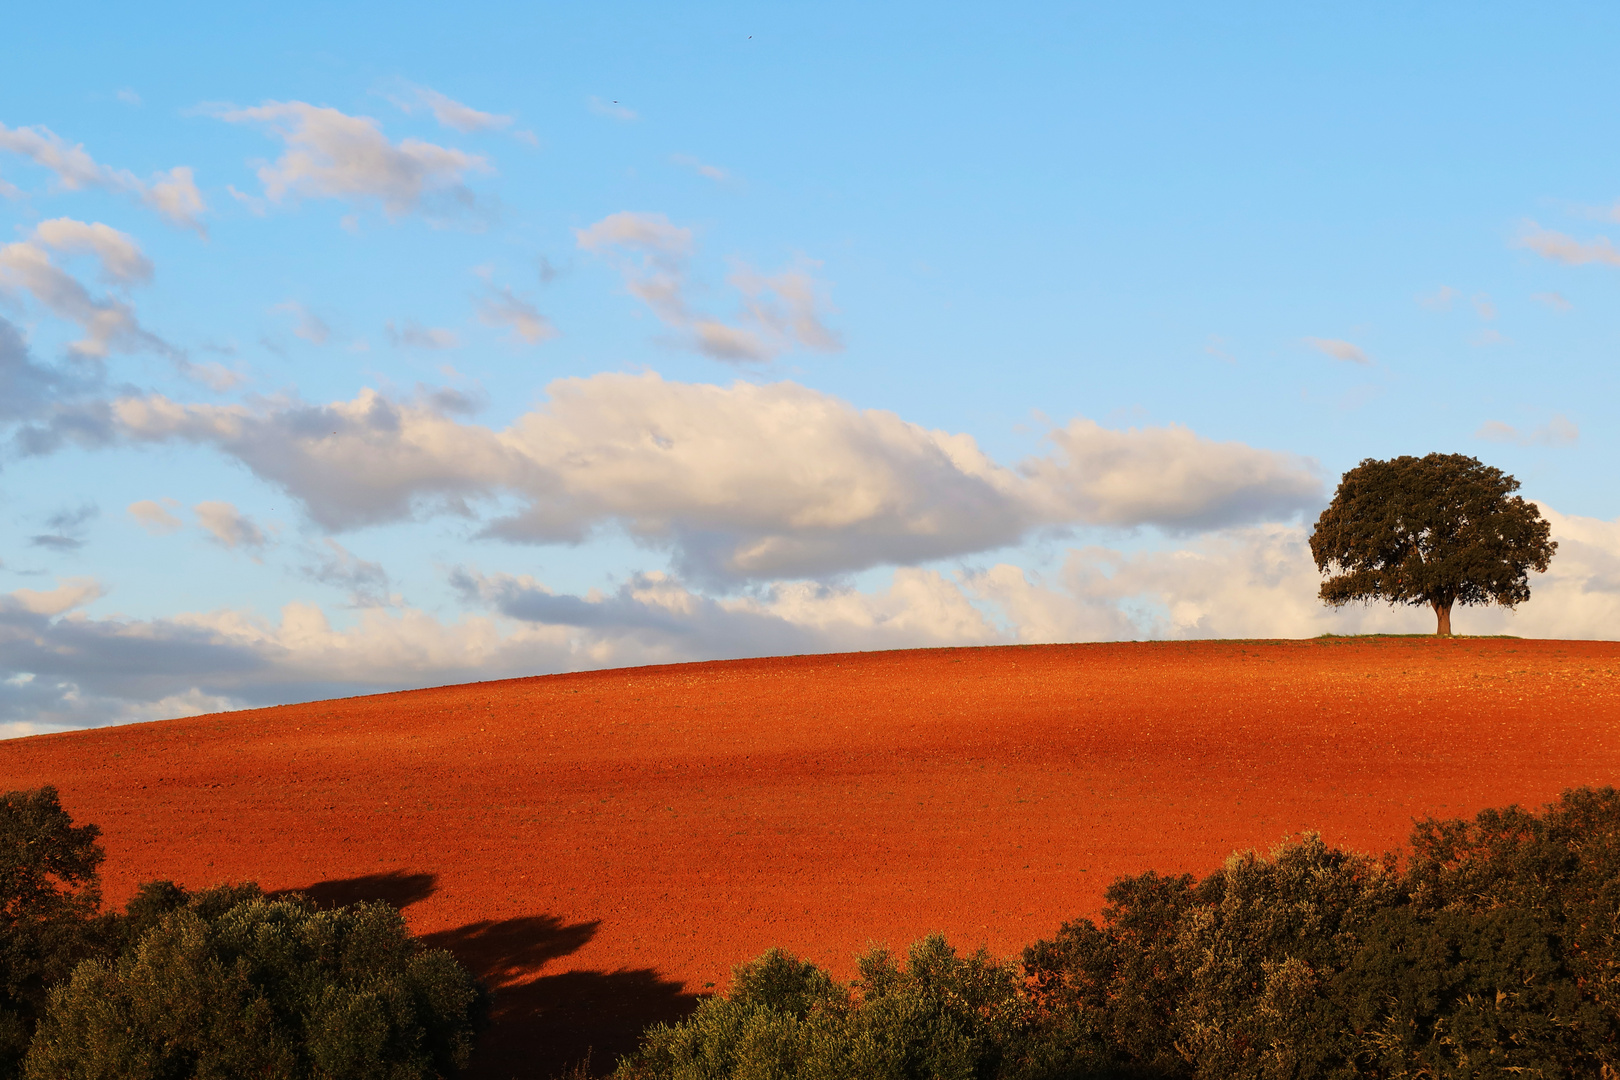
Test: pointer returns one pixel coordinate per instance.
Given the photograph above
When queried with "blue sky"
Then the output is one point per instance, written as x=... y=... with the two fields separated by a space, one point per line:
x=358 y=348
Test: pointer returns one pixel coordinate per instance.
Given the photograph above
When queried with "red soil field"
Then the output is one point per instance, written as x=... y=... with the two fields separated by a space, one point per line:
x=603 y=847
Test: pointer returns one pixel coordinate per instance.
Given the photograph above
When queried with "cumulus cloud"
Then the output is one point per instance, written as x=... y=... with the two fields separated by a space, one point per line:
x=1559 y=247
x=500 y=306
x=28 y=267
x=154 y=516
x=1559 y=431
x=1167 y=476
x=1339 y=350
x=230 y=527
x=173 y=194
x=1260 y=582
x=449 y=112
x=306 y=324
x=413 y=335
x=332 y=155
x=60 y=667
x=777 y=312
x=740 y=482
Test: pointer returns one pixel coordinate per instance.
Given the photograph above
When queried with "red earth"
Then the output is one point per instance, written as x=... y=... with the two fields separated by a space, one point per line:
x=602 y=847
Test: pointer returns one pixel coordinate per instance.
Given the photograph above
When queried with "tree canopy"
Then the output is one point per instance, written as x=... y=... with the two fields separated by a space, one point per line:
x=1434 y=531
x=230 y=982
x=49 y=892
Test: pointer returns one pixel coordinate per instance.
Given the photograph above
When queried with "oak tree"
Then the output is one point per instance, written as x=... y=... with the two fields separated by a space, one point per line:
x=1437 y=530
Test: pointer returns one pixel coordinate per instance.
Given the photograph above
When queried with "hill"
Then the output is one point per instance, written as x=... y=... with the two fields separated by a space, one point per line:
x=603 y=846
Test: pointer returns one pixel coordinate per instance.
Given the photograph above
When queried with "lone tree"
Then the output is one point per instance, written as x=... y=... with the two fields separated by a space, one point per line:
x=1437 y=530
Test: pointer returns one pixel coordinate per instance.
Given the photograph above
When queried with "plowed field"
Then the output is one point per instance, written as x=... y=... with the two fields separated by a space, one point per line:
x=604 y=846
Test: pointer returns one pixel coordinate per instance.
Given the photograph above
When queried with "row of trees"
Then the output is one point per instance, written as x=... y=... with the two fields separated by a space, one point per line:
x=1491 y=952
x=224 y=983
x=1494 y=954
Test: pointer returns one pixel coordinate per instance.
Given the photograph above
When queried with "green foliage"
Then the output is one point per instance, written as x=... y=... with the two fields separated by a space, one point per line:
x=1437 y=530
x=1493 y=955
x=230 y=983
x=49 y=891
x=940 y=1016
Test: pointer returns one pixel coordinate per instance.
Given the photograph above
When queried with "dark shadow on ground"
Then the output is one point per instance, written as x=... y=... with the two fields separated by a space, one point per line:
x=545 y=1024
x=395 y=887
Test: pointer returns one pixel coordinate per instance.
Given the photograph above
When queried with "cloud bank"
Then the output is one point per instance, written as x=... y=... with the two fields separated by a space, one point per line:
x=64 y=668
x=746 y=482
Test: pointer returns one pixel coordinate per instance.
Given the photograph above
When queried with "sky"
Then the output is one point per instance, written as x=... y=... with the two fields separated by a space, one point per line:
x=351 y=348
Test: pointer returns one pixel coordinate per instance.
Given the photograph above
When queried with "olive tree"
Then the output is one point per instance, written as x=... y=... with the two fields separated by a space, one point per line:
x=49 y=894
x=1432 y=531
x=232 y=983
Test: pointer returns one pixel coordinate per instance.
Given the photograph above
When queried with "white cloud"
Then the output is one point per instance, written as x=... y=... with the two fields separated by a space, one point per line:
x=333 y=155
x=1339 y=350
x=413 y=335
x=69 y=593
x=230 y=527
x=500 y=306
x=61 y=668
x=128 y=97
x=109 y=324
x=1559 y=247
x=120 y=257
x=306 y=324
x=788 y=305
x=650 y=234
x=173 y=195
x=75 y=169
x=1559 y=431
x=1260 y=582
x=154 y=517
x=451 y=113
x=746 y=481
x=778 y=312
x=1168 y=476
x=1553 y=300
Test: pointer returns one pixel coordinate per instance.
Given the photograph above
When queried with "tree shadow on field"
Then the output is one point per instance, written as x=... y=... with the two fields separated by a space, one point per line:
x=544 y=1024
x=395 y=887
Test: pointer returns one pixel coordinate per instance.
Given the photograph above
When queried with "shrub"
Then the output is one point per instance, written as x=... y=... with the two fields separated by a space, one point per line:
x=939 y=1017
x=231 y=983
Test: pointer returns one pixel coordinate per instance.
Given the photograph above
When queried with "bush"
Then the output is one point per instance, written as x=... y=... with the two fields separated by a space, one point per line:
x=1493 y=955
x=940 y=1017
x=230 y=983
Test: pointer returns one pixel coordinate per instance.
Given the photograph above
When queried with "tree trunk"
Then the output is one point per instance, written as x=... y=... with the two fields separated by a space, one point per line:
x=1443 y=614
